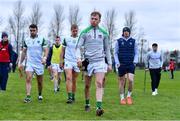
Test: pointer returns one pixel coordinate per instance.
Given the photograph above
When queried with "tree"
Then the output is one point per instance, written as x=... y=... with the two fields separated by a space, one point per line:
x=56 y=25
x=17 y=23
x=74 y=17
x=141 y=42
x=130 y=21
x=166 y=57
x=109 y=23
x=36 y=15
x=142 y=49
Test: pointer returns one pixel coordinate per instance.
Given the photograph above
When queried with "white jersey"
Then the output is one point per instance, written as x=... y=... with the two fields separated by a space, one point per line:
x=70 y=47
x=154 y=60
x=34 y=48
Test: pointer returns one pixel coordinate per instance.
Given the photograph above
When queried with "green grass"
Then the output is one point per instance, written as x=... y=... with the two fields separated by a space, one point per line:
x=164 y=106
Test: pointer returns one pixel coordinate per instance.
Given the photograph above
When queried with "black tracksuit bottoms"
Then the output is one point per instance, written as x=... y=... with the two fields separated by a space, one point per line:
x=155 y=78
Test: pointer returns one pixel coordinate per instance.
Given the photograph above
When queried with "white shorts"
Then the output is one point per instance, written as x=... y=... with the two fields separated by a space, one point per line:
x=56 y=67
x=38 y=69
x=96 y=67
x=71 y=65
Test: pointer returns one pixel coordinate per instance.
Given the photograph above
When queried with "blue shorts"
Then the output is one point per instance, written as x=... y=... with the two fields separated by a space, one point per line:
x=124 y=69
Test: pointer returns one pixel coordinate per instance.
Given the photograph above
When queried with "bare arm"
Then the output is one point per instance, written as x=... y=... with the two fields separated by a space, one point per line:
x=62 y=55
x=45 y=49
x=22 y=55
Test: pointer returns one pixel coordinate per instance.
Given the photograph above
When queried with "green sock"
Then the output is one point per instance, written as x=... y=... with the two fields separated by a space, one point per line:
x=99 y=105
x=39 y=93
x=87 y=102
x=73 y=96
x=28 y=96
x=69 y=95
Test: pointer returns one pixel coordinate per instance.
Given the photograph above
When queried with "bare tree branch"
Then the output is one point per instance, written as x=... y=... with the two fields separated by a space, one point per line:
x=142 y=43
x=12 y=25
x=36 y=15
x=74 y=17
x=17 y=23
x=130 y=21
x=56 y=25
x=109 y=23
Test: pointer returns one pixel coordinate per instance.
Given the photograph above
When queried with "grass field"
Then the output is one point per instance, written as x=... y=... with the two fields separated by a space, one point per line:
x=164 y=106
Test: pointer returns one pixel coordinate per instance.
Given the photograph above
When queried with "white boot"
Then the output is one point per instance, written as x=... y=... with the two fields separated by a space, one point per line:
x=153 y=93
x=156 y=91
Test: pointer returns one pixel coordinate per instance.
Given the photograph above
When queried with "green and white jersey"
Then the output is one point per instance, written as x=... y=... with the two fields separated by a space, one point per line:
x=96 y=44
x=34 y=48
x=70 y=45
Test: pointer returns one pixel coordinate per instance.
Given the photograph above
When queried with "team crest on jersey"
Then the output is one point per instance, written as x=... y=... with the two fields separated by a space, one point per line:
x=100 y=36
x=38 y=41
x=130 y=43
x=122 y=43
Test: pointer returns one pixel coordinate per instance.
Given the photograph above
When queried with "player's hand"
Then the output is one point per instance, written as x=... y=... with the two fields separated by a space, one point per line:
x=20 y=66
x=109 y=68
x=10 y=65
x=43 y=60
x=117 y=65
x=49 y=67
x=79 y=62
x=61 y=65
x=20 y=69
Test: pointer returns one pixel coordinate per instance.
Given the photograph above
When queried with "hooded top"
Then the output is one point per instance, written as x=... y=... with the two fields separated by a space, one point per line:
x=5 y=52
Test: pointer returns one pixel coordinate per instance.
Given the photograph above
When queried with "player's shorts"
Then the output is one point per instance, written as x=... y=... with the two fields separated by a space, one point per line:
x=37 y=68
x=71 y=65
x=96 y=67
x=124 y=69
x=56 y=67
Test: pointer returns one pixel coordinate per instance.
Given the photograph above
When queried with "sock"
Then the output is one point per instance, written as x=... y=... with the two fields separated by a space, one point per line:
x=99 y=105
x=156 y=90
x=122 y=96
x=73 y=96
x=103 y=91
x=88 y=102
x=39 y=93
x=129 y=94
x=69 y=95
x=28 y=96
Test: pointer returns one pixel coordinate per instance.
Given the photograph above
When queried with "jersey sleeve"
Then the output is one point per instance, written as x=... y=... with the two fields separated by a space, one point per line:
x=64 y=44
x=24 y=44
x=44 y=43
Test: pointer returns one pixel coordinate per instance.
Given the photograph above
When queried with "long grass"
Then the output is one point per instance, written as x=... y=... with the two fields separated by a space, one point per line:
x=165 y=106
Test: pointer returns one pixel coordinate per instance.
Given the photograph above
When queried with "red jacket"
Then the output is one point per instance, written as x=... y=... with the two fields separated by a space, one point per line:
x=171 y=65
x=5 y=52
